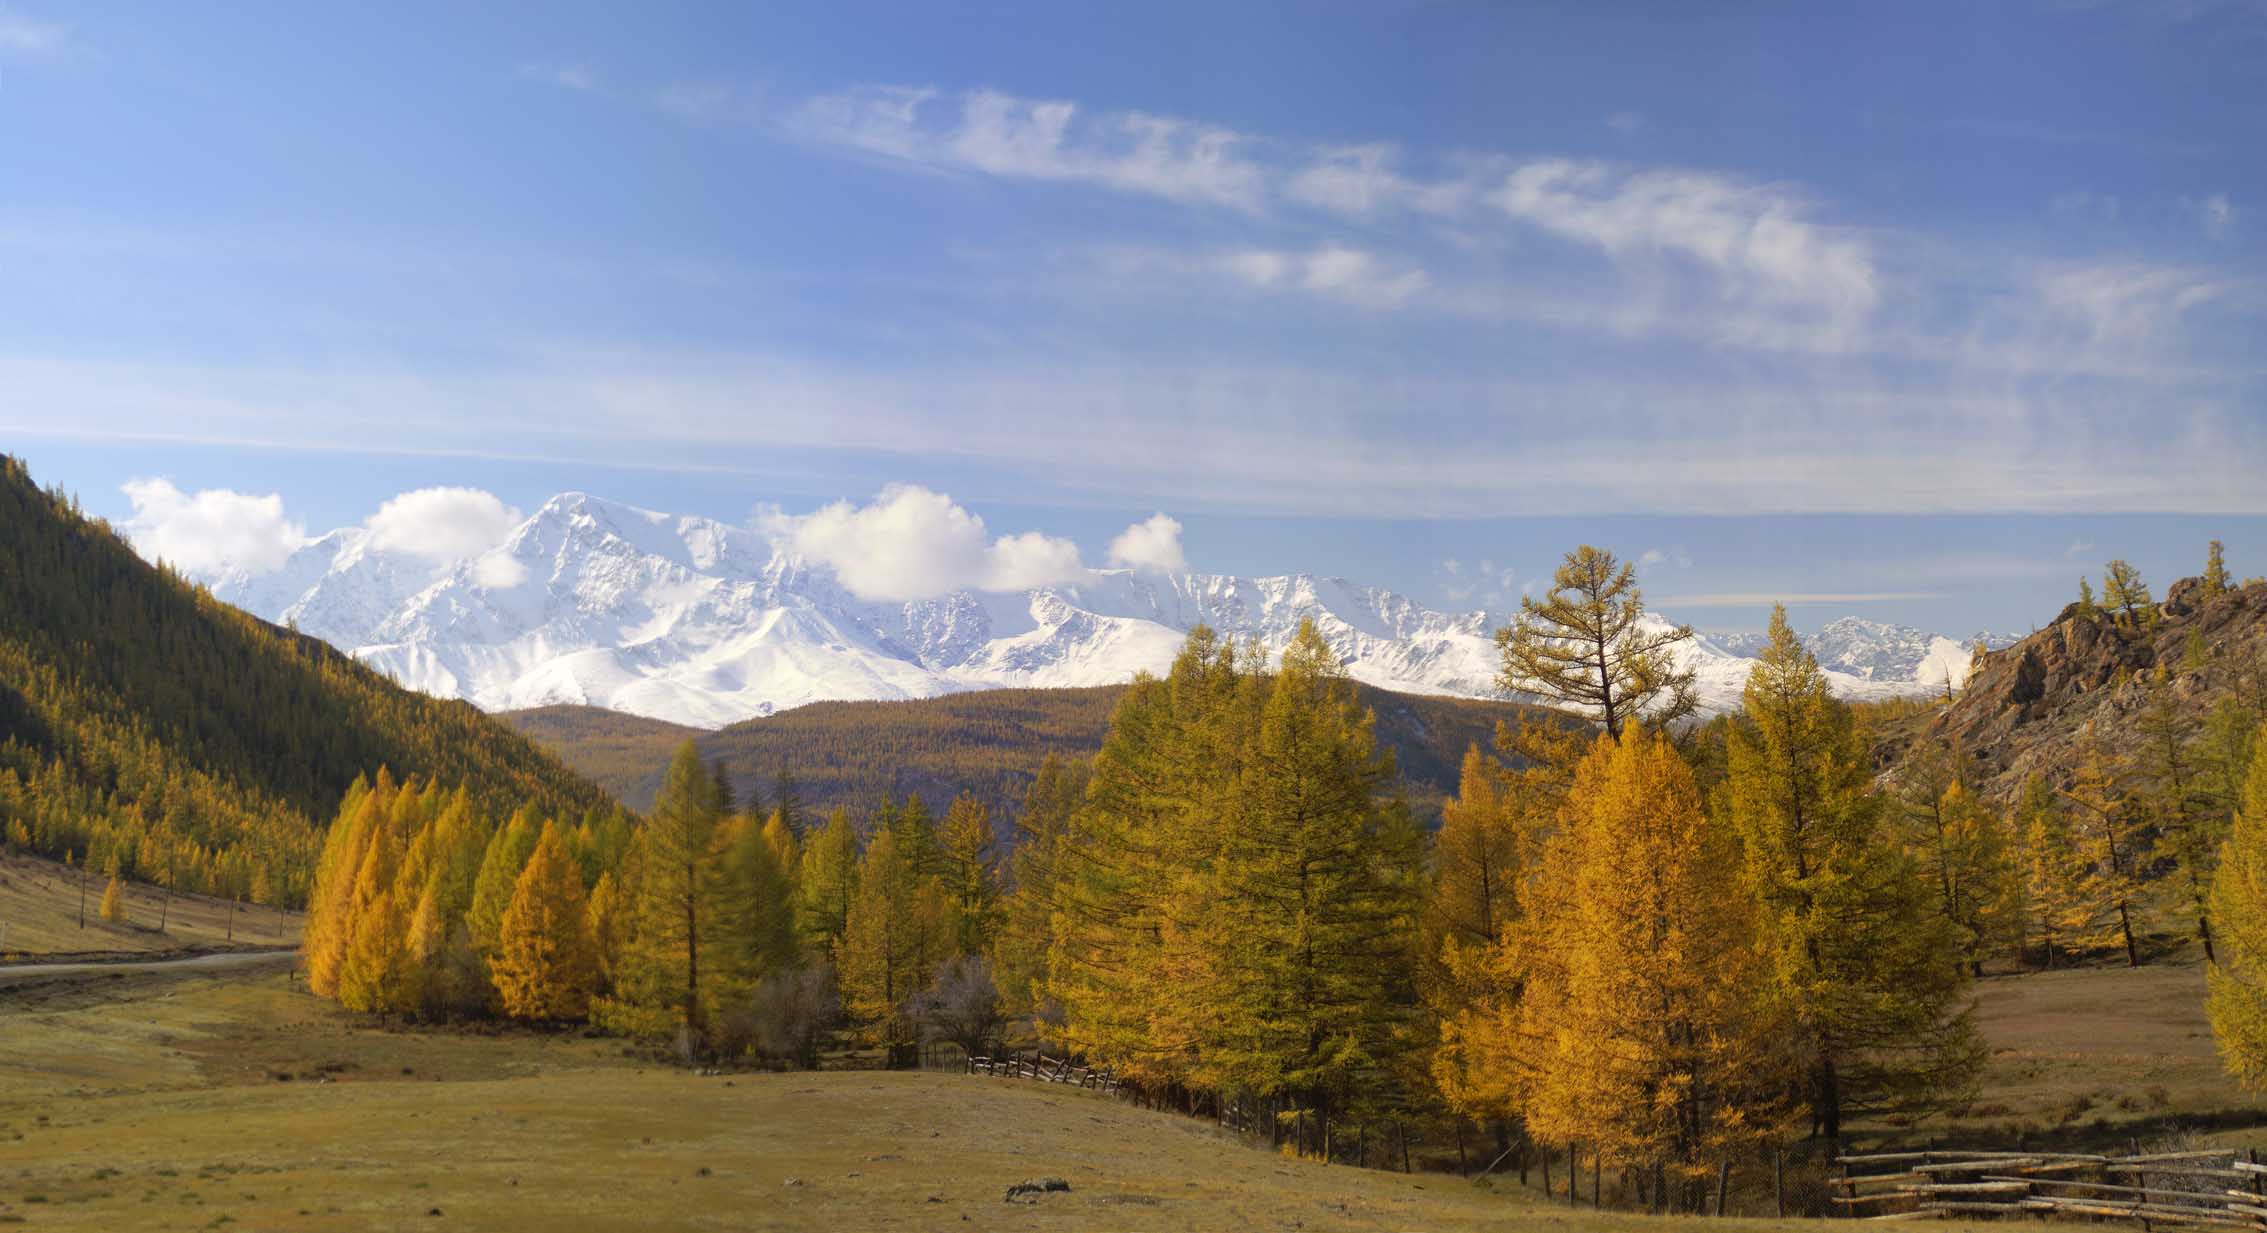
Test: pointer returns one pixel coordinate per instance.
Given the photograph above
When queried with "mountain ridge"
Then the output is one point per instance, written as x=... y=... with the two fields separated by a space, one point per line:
x=704 y=623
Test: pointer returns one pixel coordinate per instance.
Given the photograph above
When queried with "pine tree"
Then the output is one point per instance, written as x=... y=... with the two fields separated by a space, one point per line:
x=114 y=900
x=2087 y=609
x=2236 y=999
x=2107 y=831
x=1639 y=1032
x=546 y=965
x=1587 y=645
x=965 y=852
x=1867 y=975
x=2215 y=572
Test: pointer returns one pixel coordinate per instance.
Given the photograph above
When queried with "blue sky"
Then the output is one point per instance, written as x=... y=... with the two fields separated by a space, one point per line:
x=1913 y=312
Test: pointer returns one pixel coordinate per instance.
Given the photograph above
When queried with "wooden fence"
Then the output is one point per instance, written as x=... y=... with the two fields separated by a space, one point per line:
x=1047 y=1070
x=2208 y=1189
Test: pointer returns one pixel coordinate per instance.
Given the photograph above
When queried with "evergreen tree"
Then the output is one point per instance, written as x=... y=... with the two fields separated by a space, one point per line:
x=787 y=801
x=546 y=965
x=2236 y=1001
x=1587 y=645
x=1867 y=975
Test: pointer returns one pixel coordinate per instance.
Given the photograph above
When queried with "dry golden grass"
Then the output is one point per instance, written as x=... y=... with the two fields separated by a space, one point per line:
x=39 y=918
x=235 y=1100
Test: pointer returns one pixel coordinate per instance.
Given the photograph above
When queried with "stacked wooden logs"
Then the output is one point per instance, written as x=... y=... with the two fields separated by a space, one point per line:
x=2209 y=1188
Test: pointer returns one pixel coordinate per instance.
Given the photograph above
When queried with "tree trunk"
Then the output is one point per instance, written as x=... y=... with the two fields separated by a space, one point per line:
x=2125 y=924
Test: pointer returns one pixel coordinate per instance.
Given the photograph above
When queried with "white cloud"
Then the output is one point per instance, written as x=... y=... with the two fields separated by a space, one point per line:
x=498 y=570
x=1154 y=543
x=912 y=543
x=21 y=33
x=1753 y=234
x=1362 y=181
x=211 y=533
x=1039 y=139
x=2215 y=213
x=1626 y=123
x=565 y=75
x=2077 y=549
x=443 y=525
x=1332 y=272
x=1665 y=556
x=2124 y=304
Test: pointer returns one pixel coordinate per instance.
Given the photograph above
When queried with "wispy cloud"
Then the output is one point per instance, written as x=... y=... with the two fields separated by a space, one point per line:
x=24 y=33
x=2215 y=213
x=567 y=75
x=1793 y=599
x=2077 y=549
x=995 y=134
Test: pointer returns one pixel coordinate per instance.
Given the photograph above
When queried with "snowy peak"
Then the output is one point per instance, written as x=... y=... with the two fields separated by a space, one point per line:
x=706 y=623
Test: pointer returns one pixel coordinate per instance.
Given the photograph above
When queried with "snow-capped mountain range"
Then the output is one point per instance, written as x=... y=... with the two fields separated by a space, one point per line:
x=706 y=623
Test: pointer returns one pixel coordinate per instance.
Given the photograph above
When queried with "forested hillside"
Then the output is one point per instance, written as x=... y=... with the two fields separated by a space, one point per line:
x=158 y=733
x=856 y=754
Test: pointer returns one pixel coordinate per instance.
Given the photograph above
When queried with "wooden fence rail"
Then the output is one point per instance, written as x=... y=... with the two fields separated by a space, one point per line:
x=1046 y=1070
x=2190 y=1189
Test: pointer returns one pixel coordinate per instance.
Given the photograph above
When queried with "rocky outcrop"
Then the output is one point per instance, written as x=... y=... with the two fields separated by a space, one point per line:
x=2026 y=707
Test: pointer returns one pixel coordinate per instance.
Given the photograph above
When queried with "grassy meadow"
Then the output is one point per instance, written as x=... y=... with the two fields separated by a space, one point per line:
x=39 y=918
x=236 y=1100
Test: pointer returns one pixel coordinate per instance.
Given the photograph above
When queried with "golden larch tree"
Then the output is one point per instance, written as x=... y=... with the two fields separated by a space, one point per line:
x=546 y=964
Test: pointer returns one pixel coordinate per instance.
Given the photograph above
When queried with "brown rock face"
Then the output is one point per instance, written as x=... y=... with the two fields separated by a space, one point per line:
x=2026 y=706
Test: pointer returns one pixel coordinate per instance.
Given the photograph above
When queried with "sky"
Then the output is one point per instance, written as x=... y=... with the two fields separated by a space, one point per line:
x=1914 y=312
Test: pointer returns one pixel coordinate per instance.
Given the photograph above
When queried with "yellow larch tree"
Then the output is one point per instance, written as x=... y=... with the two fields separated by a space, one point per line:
x=2236 y=998
x=1868 y=976
x=546 y=964
x=2107 y=829
x=1638 y=1032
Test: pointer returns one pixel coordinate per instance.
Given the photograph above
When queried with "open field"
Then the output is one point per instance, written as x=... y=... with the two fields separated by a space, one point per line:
x=39 y=918
x=235 y=1100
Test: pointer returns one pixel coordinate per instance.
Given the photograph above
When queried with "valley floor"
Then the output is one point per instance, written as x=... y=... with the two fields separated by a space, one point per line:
x=190 y=1098
x=40 y=918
